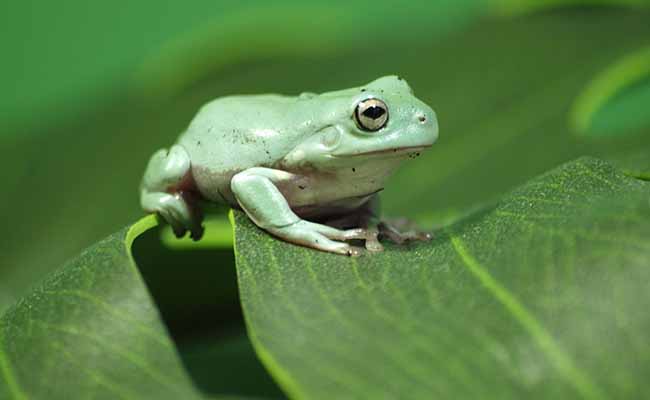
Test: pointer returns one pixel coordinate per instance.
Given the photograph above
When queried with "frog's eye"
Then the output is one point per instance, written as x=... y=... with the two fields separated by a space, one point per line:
x=371 y=115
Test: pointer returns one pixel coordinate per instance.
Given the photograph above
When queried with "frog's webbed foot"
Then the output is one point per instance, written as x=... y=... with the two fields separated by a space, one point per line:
x=167 y=190
x=397 y=230
x=176 y=210
x=368 y=230
x=400 y=230
x=265 y=205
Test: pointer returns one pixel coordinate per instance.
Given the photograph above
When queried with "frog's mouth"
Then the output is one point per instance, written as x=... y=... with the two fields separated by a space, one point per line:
x=394 y=150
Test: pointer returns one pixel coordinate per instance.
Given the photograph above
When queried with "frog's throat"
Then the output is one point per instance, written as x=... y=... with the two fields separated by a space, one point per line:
x=395 y=150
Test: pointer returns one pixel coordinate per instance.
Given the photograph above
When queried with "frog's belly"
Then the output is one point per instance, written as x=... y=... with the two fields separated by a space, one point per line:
x=308 y=195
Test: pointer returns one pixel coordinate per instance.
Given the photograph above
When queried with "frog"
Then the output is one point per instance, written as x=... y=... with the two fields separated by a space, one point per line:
x=307 y=169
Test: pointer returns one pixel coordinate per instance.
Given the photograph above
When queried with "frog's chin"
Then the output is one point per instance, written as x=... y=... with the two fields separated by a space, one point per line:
x=397 y=151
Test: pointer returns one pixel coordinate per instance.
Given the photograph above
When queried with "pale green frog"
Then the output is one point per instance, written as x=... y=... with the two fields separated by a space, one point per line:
x=305 y=168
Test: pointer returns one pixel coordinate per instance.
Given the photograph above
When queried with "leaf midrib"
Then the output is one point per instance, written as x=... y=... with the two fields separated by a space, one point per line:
x=581 y=382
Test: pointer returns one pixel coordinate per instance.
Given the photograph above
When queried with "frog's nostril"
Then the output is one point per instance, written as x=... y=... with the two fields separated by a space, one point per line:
x=422 y=118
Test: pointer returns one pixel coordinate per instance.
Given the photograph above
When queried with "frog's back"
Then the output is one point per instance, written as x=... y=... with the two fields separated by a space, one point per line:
x=231 y=134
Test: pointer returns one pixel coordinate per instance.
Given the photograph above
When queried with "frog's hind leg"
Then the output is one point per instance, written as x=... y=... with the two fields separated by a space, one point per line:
x=168 y=189
x=398 y=230
x=401 y=230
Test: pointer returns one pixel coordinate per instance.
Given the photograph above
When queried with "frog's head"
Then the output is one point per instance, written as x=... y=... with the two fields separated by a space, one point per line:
x=378 y=121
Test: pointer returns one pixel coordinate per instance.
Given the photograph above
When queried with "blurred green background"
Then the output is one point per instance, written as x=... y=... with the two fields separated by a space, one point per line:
x=91 y=90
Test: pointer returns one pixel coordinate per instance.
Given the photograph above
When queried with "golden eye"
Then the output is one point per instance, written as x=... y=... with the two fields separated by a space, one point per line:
x=371 y=115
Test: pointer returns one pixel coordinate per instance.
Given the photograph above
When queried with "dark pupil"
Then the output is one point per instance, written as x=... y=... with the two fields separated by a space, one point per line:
x=374 y=112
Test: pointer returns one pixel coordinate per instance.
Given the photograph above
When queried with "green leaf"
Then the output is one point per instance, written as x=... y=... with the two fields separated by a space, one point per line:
x=615 y=101
x=541 y=295
x=91 y=330
x=635 y=163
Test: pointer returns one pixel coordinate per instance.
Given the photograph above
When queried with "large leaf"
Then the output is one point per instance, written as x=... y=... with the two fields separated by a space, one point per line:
x=91 y=331
x=543 y=294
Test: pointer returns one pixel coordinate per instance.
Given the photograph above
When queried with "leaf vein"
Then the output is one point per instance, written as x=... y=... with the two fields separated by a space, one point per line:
x=350 y=324
x=121 y=315
x=98 y=378
x=561 y=361
x=133 y=358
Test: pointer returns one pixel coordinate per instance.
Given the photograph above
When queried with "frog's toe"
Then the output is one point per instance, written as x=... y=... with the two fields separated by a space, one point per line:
x=177 y=213
x=399 y=237
x=333 y=233
x=351 y=234
x=196 y=232
x=354 y=251
x=340 y=234
x=372 y=240
x=424 y=236
x=315 y=236
x=179 y=230
x=368 y=235
x=174 y=222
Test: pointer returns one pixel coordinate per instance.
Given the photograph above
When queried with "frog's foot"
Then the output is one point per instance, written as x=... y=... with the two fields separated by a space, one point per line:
x=167 y=190
x=175 y=210
x=321 y=237
x=400 y=230
x=368 y=231
x=372 y=240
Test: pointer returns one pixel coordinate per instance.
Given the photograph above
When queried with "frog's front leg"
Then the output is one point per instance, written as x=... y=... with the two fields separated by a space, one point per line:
x=256 y=192
x=167 y=189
